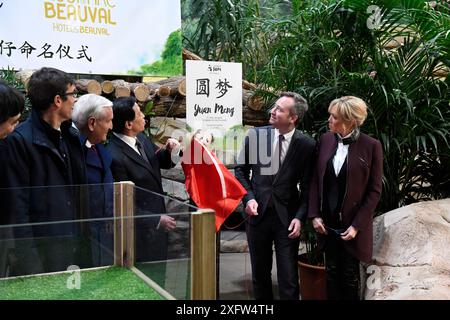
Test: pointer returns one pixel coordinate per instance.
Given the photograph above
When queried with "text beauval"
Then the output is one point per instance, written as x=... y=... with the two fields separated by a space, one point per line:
x=81 y=13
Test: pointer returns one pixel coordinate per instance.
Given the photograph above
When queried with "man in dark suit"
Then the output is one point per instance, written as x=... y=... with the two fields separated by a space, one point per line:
x=279 y=159
x=92 y=116
x=137 y=159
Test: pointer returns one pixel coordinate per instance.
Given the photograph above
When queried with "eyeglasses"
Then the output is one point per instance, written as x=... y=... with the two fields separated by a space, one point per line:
x=73 y=94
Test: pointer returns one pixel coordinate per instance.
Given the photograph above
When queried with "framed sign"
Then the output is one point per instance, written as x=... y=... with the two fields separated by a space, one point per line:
x=120 y=37
x=213 y=95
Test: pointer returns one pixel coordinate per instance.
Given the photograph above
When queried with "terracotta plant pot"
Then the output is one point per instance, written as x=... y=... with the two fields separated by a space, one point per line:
x=313 y=284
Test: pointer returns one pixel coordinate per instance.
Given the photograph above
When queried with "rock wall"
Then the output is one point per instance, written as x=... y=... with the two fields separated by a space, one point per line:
x=412 y=253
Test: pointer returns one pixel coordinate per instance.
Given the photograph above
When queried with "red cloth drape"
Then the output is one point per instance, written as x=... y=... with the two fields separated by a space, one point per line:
x=209 y=183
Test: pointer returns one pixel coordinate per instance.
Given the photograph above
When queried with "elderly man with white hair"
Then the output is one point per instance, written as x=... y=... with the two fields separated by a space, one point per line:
x=92 y=116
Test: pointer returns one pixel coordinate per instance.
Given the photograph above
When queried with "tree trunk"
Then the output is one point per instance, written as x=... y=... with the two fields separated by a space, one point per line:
x=140 y=91
x=248 y=85
x=168 y=96
x=175 y=86
x=254 y=118
x=253 y=101
x=164 y=91
x=177 y=107
x=153 y=87
x=121 y=88
x=89 y=86
x=182 y=88
x=107 y=87
x=188 y=55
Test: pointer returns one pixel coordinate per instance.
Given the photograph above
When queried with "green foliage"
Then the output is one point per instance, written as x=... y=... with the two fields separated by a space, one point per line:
x=171 y=62
x=230 y=30
x=9 y=76
x=313 y=254
x=172 y=48
x=326 y=49
x=148 y=109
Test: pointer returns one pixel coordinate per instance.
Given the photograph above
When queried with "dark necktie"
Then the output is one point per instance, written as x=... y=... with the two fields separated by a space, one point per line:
x=280 y=147
x=94 y=148
x=141 y=150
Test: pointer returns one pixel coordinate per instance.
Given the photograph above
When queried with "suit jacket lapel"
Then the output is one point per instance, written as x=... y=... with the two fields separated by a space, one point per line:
x=268 y=153
x=270 y=137
x=332 y=147
x=150 y=152
x=90 y=159
x=130 y=153
x=153 y=164
x=90 y=155
x=329 y=148
x=352 y=156
x=289 y=154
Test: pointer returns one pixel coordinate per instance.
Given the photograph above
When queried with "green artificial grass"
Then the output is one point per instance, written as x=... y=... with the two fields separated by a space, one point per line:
x=172 y=275
x=155 y=271
x=105 y=284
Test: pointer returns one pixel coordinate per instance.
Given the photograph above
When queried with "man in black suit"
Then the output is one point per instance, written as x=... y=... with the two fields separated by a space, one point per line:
x=279 y=158
x=137 y=159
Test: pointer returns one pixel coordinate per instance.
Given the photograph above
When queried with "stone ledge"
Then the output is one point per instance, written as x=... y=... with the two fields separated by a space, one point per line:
x=233 y=246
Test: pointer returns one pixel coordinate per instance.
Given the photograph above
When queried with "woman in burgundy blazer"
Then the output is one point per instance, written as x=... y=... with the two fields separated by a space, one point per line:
x=344 y=192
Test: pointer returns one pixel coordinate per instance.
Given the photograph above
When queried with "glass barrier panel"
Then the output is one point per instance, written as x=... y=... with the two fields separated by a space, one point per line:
x=57 y=241
x=163 y=241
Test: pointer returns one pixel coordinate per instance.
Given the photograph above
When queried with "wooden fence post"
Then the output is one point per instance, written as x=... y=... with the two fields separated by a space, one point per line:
x=124 y=224
x=203 y=255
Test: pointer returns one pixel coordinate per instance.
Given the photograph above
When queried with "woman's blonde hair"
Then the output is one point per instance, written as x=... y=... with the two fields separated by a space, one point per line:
x=350 y=109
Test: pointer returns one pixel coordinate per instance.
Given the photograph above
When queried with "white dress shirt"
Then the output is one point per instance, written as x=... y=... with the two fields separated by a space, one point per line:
x=285 y=144
x=88 y=144
x=131 y=141
x=341 y=155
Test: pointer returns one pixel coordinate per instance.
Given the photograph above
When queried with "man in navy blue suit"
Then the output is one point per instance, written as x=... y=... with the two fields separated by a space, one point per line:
x=92 y=116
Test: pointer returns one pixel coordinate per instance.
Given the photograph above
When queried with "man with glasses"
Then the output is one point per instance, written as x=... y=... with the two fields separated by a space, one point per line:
x=46 y=151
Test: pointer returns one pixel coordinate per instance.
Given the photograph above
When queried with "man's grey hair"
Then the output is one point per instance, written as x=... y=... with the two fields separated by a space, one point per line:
x=89 y=105
x=300 y=104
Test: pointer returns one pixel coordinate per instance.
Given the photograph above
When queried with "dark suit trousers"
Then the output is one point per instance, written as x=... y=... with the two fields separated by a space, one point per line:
x=260 y=238
x=342 y=271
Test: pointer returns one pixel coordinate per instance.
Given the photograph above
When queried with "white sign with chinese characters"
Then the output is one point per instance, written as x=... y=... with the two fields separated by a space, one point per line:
x=86 y=36
x=213 y=95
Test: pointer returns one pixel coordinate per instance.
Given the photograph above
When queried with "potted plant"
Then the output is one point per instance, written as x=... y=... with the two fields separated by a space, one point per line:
x=311 y=264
